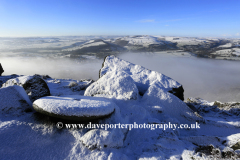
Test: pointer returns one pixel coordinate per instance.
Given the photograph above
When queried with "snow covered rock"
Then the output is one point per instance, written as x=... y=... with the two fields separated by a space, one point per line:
x=35 y=86
x=100 y=139
x=74 y=107
x=142 y=77
x=117 y=84
x=4 y=79
x=170 y=104
x=13 y=99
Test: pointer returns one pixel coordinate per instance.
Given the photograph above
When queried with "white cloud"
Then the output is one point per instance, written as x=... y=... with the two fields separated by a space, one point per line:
x=146 y=21
x=237 y=34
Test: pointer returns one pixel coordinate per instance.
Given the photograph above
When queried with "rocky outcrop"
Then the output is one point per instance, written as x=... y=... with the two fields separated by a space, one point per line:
x=74 y=107
x=34 y=86
x=1 y=70
x=236 y=146
x=204 y=107
x=142 y=77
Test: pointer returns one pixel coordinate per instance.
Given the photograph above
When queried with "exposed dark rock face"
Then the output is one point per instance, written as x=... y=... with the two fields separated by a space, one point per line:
x=1 y=70
x=36 y=88
x=210 y=152
x=236 y=146
x=178 y=92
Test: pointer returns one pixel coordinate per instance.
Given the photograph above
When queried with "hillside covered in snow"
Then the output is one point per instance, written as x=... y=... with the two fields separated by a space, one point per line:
x=92 y=47
x=129 y=113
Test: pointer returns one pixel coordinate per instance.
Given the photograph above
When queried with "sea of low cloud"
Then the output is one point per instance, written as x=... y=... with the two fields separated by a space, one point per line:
x=209 y=79
x=205 y=78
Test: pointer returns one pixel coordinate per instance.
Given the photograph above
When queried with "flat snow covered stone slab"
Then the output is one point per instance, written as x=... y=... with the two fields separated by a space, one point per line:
x=142 y=77
x=74 y=107
x=35 y=86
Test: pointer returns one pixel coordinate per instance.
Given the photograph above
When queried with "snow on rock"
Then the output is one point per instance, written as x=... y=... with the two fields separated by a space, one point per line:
x=4 y=79
x=13 y=99
x=100 y=139
x=117 y=84
x=74 y=107
x=142 y=77
x=35 y=86
x=232 y=139
x=171 y=105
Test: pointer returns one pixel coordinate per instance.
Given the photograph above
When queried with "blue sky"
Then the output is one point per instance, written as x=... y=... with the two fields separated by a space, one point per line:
x=215 y=18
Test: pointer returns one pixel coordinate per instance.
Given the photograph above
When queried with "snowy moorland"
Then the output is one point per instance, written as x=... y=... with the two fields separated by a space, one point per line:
x=144 y=110
x=95 y=47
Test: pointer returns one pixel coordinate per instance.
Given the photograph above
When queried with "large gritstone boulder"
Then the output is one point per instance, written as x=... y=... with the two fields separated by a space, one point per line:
x=142 y=77
x=114 y=84
x=34 y=86
x=170 y=104
x=74 y=107
x=14 y=100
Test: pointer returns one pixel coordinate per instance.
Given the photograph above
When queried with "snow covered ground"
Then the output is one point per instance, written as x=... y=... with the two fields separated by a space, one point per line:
x=225 y=45
x=214 y=135
x=84 y=47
